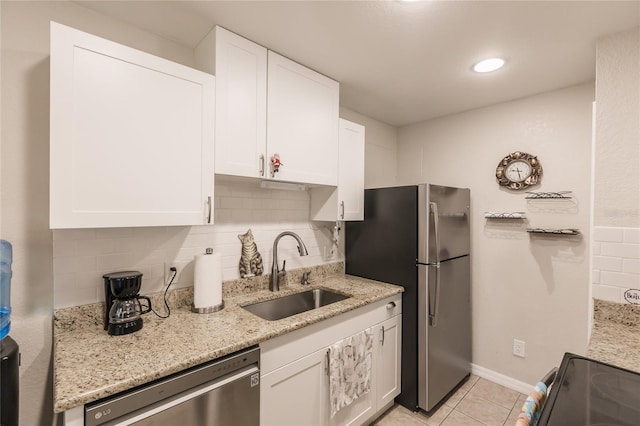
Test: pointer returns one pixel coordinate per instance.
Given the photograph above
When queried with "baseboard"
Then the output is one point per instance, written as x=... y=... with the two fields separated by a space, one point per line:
x=501 y=379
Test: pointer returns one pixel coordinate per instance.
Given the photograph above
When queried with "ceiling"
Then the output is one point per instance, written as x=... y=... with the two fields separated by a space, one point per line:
x=402 y=62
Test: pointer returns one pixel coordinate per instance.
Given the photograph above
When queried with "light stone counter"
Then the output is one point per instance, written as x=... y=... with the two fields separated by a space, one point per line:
x=89 y=364
x=615 y=338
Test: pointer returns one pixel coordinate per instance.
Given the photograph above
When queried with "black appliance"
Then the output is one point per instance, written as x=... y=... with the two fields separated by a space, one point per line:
x=587 y=392
x=123 y=310
x=418 y=237
x=9 y=378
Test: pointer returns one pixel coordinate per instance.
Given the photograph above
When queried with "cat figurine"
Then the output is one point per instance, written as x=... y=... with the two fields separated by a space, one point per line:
x=250 y=259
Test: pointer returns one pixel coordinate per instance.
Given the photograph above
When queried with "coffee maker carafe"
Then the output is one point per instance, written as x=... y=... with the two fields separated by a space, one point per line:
x=123 y=310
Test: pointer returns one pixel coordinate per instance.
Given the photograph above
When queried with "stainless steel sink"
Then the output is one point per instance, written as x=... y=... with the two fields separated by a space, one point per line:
x=286 y=306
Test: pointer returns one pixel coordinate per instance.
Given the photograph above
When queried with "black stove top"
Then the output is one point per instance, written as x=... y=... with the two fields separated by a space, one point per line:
x=591 y=393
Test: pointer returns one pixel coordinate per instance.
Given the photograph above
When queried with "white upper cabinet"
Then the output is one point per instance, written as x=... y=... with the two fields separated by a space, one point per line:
x=346 y=202
x=268 y=105
x=240 y=66
x=302 y=122
x=131 y=136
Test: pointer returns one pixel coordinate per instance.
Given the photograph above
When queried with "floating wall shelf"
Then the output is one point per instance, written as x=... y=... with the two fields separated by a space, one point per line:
x=505 y=215
x=553 y=231
x=548 y=195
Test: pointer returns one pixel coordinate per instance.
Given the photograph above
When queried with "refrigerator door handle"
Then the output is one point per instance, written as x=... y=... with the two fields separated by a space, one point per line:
x=433 y=315
x=436 y=227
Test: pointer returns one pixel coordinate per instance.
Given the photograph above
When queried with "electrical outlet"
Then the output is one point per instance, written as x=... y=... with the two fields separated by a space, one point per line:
x=518 y=348
x=168 y=273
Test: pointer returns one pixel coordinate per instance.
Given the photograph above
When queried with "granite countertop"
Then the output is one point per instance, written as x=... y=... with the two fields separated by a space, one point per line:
x=615 y=338
x=89 y=364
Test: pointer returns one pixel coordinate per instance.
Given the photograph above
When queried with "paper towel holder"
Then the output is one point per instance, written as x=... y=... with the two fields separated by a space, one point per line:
x=208 y=309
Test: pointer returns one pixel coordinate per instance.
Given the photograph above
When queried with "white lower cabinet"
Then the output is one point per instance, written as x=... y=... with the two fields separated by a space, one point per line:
x=294 y=394
x=388 y=360
x=294 y=387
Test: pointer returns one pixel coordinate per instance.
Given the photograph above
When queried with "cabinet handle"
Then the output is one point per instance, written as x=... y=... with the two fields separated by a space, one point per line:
x=391 y=305
x=382 y=331
x=209 y=206
x=326 y=368
x=341 y=209
x=261 y=165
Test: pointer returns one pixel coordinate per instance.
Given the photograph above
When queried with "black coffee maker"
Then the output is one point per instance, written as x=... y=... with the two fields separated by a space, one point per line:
x=123 y=310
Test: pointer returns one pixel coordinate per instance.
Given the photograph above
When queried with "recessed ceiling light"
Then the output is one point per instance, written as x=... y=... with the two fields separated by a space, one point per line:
x=489 y=65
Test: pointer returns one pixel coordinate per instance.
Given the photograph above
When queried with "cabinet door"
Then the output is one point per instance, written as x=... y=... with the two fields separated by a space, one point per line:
x=302 y=122
x=388 y=360
x=240 y=68
x=351 y=171
x=346 y=202
x=131 y=136
x=296 y=394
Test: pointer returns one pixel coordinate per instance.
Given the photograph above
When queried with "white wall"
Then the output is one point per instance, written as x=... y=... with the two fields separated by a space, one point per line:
x=617 y=149
x=525 y=287
x=616 y=242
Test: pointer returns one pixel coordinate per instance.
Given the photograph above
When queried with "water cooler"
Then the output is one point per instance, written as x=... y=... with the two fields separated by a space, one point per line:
x=9 y=350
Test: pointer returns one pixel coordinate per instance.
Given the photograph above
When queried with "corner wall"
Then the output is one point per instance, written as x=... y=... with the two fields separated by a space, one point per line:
x=524 y=286
x=616 y=242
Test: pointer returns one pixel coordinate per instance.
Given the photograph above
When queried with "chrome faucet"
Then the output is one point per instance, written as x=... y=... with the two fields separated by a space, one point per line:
x=276 y=273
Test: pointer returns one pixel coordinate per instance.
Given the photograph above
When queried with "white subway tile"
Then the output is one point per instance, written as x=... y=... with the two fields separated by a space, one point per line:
x=604 y=292
x=114 y=232
x=630 y=251
x=604 y=263
x=631 y=266
x=607 y=234
x=65 y=265
x=595 y=277
x=619 y=279
x=241 y=216
x=596 y=248
x=74 y=234
x=231 y=203
x=94 y=247
x=631 y=235
x=64 y=248
x=115 y=261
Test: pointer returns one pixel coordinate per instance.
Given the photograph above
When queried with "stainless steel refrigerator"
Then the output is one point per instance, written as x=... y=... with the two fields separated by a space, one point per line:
x=418 y=237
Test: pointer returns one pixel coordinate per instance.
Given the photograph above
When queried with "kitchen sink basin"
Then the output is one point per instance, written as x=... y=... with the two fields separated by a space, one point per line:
x=286 y=306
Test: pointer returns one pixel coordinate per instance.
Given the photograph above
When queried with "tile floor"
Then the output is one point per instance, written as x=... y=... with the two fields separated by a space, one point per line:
x=478 y=402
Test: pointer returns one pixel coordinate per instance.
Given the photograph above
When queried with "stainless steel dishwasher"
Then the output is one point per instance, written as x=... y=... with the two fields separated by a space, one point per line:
x=223 y=392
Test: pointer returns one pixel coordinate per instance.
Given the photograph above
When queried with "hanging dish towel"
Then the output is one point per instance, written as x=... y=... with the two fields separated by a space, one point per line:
x=350 y=369
x=532 y=407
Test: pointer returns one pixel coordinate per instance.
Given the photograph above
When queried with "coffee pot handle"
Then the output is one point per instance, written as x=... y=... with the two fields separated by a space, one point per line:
x=144 y=308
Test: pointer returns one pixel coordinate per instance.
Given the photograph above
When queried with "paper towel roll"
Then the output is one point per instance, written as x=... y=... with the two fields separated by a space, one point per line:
x=207 y=281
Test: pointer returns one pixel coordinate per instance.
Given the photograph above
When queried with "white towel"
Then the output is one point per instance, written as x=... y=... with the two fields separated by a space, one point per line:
x=350 y=369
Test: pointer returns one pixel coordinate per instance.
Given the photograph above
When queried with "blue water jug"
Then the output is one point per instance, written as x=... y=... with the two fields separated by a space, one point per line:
x=6 y=257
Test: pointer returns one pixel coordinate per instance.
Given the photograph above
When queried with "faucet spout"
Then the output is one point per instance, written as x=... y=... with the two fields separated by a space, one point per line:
x=276 y=273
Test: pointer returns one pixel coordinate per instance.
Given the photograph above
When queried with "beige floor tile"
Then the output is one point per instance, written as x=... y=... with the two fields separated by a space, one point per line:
x=485 y=411
x=494 y=392
x=456 y=418
x=399 y=416
x=457 y=396
x=471 y=381
x=437 y=417
x=513 y=416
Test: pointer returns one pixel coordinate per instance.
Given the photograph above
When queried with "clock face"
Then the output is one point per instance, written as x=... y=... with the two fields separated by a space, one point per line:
x=518 y=171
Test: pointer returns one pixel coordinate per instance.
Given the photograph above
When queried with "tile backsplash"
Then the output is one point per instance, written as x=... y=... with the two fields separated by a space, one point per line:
x=82 y=256
x=616 y=264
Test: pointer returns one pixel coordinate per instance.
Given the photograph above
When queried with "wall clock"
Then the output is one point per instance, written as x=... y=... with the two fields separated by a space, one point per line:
x=518 y=170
